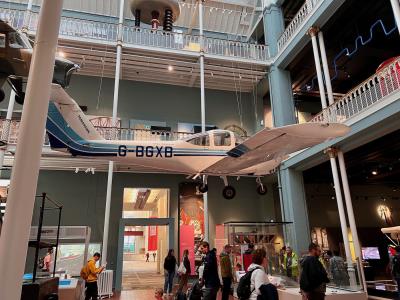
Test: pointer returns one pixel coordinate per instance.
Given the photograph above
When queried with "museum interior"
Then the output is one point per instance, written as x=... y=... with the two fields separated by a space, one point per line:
x=132 y=127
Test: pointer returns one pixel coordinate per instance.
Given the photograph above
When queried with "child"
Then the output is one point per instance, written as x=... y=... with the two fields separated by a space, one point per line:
x=158 y=294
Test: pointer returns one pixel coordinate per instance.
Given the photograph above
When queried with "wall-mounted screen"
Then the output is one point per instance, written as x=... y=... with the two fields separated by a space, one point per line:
x=370 y=253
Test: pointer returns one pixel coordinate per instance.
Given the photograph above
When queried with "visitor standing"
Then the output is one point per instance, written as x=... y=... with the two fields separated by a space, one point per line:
x=226 y=271
x=313 y=278
x=210 y=278
x=154 y=256
x=183 y=279
x=47 y=260
x=169 y=271
x=89 y=273
x=291 y=264
x=259 y=272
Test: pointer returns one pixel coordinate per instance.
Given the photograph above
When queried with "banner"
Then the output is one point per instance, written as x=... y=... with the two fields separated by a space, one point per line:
x=186 y=241
x=152 y=238
x=191 y=212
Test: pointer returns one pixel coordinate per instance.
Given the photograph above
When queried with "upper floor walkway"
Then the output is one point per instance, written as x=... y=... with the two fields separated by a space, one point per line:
x=371 y=109
x=92 y=44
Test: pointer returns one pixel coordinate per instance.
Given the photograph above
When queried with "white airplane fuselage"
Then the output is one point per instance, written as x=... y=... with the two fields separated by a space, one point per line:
x=166 y=156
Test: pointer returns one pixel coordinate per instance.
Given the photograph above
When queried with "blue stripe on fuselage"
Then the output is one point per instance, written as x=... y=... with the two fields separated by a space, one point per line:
x=59 y=129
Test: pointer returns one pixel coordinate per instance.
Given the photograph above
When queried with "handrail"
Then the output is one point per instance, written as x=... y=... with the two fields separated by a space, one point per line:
x=298 y=20
x=107 y=133
x=88 y=29
x=375 y=88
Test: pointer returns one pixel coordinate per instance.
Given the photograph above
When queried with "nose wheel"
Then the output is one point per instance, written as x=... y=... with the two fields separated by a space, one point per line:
x=229 y=192
x=203 y=188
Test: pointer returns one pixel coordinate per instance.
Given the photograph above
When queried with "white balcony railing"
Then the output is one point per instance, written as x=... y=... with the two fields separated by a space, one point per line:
x=99 y=31
x=376 y=88
x=298 y=20
x=12 y=127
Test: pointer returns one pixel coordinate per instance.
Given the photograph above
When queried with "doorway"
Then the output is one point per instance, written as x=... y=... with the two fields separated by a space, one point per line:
x=145 y=234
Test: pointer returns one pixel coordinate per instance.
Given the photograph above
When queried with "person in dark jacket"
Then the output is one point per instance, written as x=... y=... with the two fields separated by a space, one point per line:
x=226 y=271
x=169 y=271
x=210 y=278
x=183 y=280
x=313 y=278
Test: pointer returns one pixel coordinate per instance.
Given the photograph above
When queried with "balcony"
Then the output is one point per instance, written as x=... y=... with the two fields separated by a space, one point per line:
x=363 y=98
x=147 y=55
x=107 y=33
x=299 y=19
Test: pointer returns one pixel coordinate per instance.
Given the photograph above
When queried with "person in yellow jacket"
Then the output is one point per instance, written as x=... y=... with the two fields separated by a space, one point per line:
x=90 y=273
x=291 y=264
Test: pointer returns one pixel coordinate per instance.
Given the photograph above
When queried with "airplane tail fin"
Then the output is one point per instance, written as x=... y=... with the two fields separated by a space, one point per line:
x=66 y=123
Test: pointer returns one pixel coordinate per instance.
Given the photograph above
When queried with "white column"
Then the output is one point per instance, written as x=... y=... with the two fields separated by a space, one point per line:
x=20 y=203
x=6 y=126
x=325 y=67
x=313 y=33
x=114 y=125
x=349 y=205
x=203 y=111
x=342 y=214
x=396 y=12
x=202 y=87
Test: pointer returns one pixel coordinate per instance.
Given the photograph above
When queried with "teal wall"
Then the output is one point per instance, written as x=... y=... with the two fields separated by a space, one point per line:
x=166 y=103
x=83 y=196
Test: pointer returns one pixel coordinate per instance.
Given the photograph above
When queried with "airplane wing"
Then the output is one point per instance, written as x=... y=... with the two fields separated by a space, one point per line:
x=266 y=149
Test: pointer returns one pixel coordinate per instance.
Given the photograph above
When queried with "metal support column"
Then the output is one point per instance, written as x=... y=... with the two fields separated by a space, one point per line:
x=18 y=217
x=5 y=136
x=114 y=132
x=27 y=17
x=342 y=215
x=203 y=111
x=325 y=66
x=396 y=12
x=349 y=205
x=313 y=33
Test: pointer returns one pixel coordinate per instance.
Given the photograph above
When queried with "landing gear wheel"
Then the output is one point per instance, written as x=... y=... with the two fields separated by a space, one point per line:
x=229 y=192
x=20 y=99
x=2 y=95
x=262 y=189
x=203 y=188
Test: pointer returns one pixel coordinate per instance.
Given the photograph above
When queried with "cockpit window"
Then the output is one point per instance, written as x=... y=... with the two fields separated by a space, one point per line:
x=18 y=41
x=203 y=140
x=239 y=139
x=222 y=139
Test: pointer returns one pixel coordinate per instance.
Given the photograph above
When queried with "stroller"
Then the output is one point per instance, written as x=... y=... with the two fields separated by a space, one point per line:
x=195 y=292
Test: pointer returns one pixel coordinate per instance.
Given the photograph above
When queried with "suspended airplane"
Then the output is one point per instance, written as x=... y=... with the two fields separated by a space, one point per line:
x=15 y=59
x=213 y=153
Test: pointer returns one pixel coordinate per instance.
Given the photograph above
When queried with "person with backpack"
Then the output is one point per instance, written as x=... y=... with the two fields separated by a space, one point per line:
x=313 y=277
x=395 y=263
x=210 y=278
x=169 y=271
x=258 y=270
x=89 y=273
